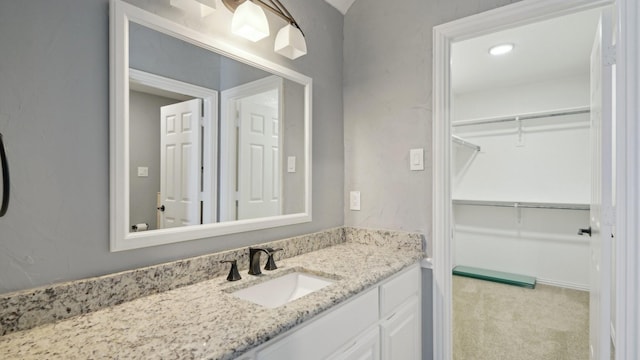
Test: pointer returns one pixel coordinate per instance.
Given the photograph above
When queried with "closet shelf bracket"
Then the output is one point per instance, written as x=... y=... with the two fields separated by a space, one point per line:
x=463 y=142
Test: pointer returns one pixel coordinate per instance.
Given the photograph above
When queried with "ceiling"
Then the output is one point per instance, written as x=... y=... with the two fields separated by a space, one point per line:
x=341 y=5
x=544 y=50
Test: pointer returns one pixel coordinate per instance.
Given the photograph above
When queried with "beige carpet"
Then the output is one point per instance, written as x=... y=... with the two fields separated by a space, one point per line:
x=493 y=321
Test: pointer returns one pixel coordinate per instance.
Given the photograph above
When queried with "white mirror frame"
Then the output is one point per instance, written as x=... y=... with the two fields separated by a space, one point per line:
x=121 y=14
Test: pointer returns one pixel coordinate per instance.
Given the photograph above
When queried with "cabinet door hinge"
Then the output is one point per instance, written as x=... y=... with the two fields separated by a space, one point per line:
x=609 y=56
x=609 y=215
x=237 y=117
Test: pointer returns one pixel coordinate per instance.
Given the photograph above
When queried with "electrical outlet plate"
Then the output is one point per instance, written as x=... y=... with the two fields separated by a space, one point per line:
x=354 y=200
x=143 y=171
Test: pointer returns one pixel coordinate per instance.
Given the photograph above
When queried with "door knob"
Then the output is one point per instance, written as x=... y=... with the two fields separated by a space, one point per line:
x=585 y=231
x=161 y=208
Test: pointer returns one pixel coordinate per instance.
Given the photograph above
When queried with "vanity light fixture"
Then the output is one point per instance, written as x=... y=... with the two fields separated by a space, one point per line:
x=501 y=49
x=204 y=7
x=250 y=22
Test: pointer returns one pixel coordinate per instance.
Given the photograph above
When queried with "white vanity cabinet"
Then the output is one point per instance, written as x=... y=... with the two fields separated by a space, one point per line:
x=400 y=317
x=383 y=323
x=321 y=337
x=364 y=347
x=401 y=332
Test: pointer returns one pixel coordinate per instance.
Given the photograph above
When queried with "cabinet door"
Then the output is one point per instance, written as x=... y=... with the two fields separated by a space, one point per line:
x=325 y=335
x=400 y=334
x=365 y=347
x=396 y=291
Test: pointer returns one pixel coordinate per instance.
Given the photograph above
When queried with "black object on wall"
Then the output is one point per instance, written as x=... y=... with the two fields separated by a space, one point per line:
x=6 y=184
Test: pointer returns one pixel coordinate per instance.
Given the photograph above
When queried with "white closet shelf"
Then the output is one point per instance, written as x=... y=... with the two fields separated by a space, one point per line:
x=526 y=116
x=522 y=204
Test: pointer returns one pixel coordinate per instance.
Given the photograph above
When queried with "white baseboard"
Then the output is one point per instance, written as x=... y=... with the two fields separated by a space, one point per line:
x=563 y=284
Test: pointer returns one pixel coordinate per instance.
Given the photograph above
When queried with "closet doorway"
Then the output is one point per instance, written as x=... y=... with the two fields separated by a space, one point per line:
x=521 y=166
x=515 y=143
x=521 y=189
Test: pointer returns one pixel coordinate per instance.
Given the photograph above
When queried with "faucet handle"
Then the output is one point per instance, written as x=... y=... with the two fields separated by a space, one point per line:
x=234 y=275
x=271 y=264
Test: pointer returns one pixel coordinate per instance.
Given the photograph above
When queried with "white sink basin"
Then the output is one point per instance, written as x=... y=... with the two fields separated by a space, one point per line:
x=282 y=290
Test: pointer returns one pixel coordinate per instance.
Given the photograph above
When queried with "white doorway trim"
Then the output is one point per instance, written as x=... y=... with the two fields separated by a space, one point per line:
x=627 y=245
x=517 y=14
x=209 y=136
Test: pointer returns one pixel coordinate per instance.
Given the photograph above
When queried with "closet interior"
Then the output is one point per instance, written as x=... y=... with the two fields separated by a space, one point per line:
x=521 y=161
x=519 y=200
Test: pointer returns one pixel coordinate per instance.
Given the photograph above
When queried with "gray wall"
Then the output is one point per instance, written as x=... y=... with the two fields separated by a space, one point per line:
x=54 y=108
x=293 y=128
x=234 y=73
x=387 y=107
x=387 y=112
x=144 y=142
x=158 y=53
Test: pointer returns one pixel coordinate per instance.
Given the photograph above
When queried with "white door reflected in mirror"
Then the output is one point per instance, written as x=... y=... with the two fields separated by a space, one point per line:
x=180 y=165
x=259 y=160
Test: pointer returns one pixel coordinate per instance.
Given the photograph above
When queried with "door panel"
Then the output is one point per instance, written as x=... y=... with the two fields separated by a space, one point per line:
x=180 y=163
x=258 y=161
x=601 y=216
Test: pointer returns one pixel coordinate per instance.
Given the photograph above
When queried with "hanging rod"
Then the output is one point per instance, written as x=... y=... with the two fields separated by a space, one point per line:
x=461 y=141
x=523 y=204
x=527 y=116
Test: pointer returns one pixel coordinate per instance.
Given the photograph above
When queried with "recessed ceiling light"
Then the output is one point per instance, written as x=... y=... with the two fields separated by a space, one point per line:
x=500 y=49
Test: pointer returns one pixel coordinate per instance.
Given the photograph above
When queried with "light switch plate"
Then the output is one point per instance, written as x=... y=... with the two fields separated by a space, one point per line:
x=416 y=159
x=143 y=171
x=291 y=164
x=354 y=200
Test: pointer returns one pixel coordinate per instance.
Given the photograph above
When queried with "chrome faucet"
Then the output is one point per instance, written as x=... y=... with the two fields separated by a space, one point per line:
x=254 y=259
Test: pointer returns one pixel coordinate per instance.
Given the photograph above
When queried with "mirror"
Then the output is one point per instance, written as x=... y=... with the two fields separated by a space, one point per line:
x=205 y=139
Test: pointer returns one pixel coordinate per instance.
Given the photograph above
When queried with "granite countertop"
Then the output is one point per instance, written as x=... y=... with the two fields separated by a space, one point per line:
x=203 y=320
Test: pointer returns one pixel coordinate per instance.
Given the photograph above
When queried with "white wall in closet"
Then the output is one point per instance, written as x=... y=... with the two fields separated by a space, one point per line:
x=548 y=161
x=544 y=161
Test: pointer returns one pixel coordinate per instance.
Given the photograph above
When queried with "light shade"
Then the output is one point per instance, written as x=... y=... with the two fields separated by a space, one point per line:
x=290 y=42
x=250 y=22
x=207 y=7
x=180 y=4
x=202 y=7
